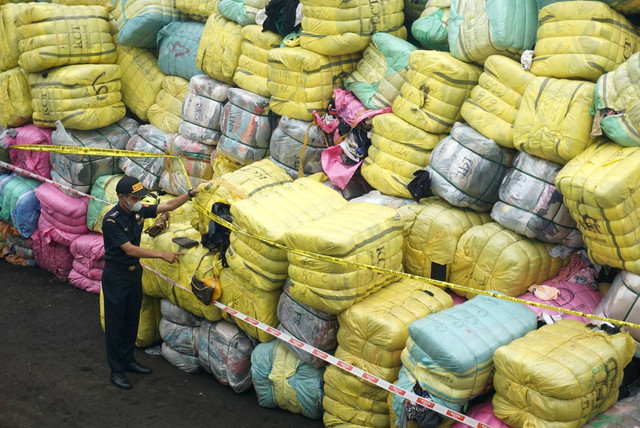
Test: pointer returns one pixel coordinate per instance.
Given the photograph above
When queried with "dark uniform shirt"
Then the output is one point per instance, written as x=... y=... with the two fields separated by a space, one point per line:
x=119 y=227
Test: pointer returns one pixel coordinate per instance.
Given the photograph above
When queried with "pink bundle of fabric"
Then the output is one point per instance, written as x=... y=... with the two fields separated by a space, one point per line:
x=36 y=162
x=88 y=262
x=483 y=412
x=574 y=288
x=50 y=256
x=62 y=217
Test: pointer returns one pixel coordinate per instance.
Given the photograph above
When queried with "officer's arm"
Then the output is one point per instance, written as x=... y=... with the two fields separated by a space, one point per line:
x=176 y=202
x=145 y=253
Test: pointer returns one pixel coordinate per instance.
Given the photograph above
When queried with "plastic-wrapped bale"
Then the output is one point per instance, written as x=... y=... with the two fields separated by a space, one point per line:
x=577 y=286
x=180 y=272
x=359 y=232
x=554 y=120
x=246 y=127
x=139 y=21
x=165 y=114
x=103 y=189
x=621 y=303
x=282 y=380
x=617 y=103
x=181 y=338
x=219 y=48
x=148 y=325
x=530 y=204
x=15 y=98
x=482 y=412
x=56 y=35
x=341 y=27
x=202 y=110
x=82 y=97
x=148 y=170
x=225 y=351
x=198 y=10
x=177 y=315
x=259 y=269
x=451 y=353
x=377 y=198
x=195 y=158
x=177 y=49
x=432 y=230
x=81 y=171
x=398 y=149
x=624 y=413
x=9 y=31
x=18 y=251
x=381 y=71
x=62 y=217
x=51 y=256
x=481 y=28
x=490 y=257
x=467 y=169
x=104 y=3
x=294 y=139
x=371 y=337
x=18 y=203
x=141 y=79
x=600 y=188
x=185 y=362
x=88 y=262
x=573 y=370
x=622 y=6
x=431 y=29
x=492 y=106
x=582 y=40
x=318 y=329
x=32 y=161
x=252 y=71
x=437 y=85
x=301 y=81
x=241 y=11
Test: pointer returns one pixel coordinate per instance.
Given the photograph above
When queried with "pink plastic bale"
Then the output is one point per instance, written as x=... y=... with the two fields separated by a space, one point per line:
x=37 y=162
x=82 y=282
x=483 y=412
x=88 y=250
x=50 y=256
x=62 y=211
x=87 y=272
x=52 y=233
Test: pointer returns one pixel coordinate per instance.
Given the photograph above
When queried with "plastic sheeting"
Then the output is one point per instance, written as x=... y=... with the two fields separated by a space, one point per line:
x=293 y=140
x=467 y=169
x=202 y=110
x=241 y=11
x=139 y=21
x=177 y=315
x=18 y=203
x=252 y=71
x=194 y=157
x=165 y=114
x=148 y=170
x=88 y=262
x=185 y=362
x=181 y=338
x=431 y=29
x=32 y=161
x=15 y=98
x=246 y=127
x=572 y=370
x=177 y=48
x=530 y=204
x=219 y=48
x=80 y=171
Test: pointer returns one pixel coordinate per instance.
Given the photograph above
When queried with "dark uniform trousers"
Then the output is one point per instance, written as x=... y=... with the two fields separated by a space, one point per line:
x=122 y=292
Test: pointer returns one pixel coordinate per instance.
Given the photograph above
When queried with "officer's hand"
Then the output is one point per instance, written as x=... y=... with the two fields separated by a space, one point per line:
x=171 y=257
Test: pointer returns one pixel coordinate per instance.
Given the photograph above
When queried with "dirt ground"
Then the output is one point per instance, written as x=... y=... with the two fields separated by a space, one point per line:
x=54 y=373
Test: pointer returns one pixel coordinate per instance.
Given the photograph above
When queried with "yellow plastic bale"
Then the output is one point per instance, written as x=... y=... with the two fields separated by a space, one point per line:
x=398 y=149
x=9 y=31
x=582 y=40
x=219 y=48
x=166 y=113
x=252 y=71
x=554 y=119
x=15 y=98
x=55 y=35
x=83 y=97
x=149 y=323
x=561 y=375
x=600 y=188
x=301 y=81
x=254 y=266
x=339 y=27
x=141 y=79
x=198 y=10
x=258 y=304
x=432 y=231
x=359 y=232
x=492 y=106
x=437 y=85
x=490 y=257
x=108 y=4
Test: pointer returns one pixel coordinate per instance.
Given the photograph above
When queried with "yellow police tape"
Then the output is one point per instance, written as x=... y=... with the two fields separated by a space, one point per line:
x=89 y=151
x=435 y=282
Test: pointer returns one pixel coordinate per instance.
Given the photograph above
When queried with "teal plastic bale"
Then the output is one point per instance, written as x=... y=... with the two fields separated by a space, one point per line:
x=177 y=48
x=139 y=21
x=18 y=203
x=305 y=380
x=236 y=11
x=431 y=29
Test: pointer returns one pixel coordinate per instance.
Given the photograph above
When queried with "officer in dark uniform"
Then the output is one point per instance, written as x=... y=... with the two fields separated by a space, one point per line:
x=122 y=275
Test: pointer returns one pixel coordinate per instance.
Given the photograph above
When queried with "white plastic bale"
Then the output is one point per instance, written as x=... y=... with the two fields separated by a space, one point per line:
x=288 y=146
x=202 y=109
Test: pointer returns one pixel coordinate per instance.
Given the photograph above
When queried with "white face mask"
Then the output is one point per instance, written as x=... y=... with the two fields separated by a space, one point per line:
x=135 y=207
